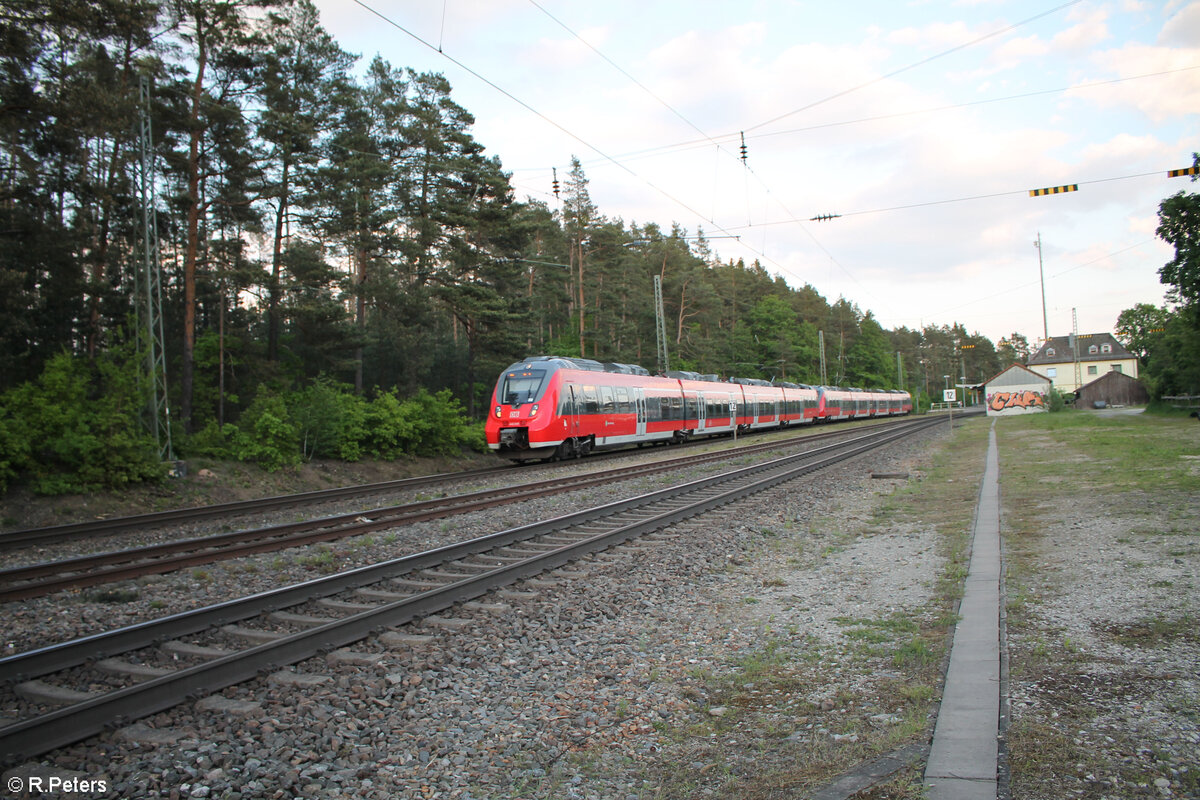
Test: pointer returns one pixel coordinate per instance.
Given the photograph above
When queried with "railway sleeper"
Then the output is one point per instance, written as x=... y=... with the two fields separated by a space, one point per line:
x=355 y=658
x=255 y=635
x=127 y=669
x=285 y=677
x=397 y=639
x=344 y=605
x=141 y=733
x=489 y=608
x=220 y=704
x=502 y=560
x=443 y=575
x=49 y=694
x=302 y=620
x=176 y=647
x=474 y=568
x=447 y=623
x=491 y=562
x=525 y=553
x=413 y=585
x=381 y=594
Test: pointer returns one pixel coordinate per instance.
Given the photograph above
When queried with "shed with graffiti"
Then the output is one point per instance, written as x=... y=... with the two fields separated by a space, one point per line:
x=1016 y=390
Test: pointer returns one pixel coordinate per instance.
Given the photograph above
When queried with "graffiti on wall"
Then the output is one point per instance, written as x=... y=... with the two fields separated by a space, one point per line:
x=1023 y=400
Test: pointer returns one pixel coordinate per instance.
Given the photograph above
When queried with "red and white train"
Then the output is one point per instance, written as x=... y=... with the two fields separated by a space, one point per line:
x=548 y=407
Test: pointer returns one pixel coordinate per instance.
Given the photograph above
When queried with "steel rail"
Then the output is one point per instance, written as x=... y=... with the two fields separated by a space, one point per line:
x=23 y=666
x=35 y=580
x=55 y=729
x=31 y=536
x=27 y=537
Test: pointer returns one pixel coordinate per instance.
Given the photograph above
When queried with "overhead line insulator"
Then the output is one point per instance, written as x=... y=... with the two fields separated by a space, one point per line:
x=743 y=147
x=555 y=182
x=823 y=217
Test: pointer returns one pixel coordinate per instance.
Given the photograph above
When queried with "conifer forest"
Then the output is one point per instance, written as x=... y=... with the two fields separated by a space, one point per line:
x=342 y=269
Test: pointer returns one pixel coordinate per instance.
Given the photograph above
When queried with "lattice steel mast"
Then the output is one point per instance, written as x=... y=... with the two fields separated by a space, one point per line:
x=158 y=409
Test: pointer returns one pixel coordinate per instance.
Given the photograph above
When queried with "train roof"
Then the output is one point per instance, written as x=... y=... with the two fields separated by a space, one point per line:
x=587 y=364
x=591 y=365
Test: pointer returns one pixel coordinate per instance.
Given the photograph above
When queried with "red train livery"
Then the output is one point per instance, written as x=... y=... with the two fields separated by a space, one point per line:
x=548 y=407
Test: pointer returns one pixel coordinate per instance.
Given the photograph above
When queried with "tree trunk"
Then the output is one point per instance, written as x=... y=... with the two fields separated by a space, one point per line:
x=360 y=308
x=193 y=229
x=273 y=291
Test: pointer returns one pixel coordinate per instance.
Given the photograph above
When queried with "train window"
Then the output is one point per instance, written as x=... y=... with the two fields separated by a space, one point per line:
x=676 y=408
x=523 y=386
x=566 y=406
x=693 y=408
x=606 y=400
x=591 y=405
x=623 y=404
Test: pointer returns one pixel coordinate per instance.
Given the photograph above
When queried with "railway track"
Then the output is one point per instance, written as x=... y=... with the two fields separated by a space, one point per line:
x=139 y=667
x=30 y=537
x=33 y=537
x=39 y=579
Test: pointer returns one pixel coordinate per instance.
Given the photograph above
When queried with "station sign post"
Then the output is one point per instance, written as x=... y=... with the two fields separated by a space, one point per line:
x=950 y=397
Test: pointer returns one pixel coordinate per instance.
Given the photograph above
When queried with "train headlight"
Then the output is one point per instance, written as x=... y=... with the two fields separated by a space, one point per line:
x=497 y=412
x=533 y=410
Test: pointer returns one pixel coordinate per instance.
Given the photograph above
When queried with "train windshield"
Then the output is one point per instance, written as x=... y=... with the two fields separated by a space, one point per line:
x=521 y=386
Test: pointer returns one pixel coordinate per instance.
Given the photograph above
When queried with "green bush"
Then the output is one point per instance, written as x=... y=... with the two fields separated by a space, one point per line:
x=422 y=425
x=266 y=434
x=438 y=424
x=388 y=427
x=476 y=437
x=331 y=420
x=14 y=444
x=213 y=441
x=78 y=426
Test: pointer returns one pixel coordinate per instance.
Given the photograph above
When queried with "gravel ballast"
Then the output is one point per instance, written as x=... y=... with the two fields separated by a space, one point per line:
x=764 y=648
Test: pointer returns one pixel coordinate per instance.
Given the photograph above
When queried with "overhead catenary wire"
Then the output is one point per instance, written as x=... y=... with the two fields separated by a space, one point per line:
x=623 y=162
x=693 y=144
x=947 y=201
x=563 y=129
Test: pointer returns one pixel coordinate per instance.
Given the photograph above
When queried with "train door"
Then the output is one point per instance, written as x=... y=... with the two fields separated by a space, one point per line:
x=573 y=399
x=639 y=399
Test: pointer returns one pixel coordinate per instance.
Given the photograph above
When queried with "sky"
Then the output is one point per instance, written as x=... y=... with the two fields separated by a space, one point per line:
x=923 y=124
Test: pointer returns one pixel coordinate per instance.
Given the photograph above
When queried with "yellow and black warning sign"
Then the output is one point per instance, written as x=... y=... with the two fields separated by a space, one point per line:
x=1179 y=173
x=1070 y=187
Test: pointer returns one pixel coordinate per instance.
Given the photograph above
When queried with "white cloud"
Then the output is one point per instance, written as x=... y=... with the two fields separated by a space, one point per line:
x=1088 y=33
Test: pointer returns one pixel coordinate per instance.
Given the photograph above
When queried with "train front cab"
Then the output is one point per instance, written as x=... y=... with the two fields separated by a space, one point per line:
x=523 y=411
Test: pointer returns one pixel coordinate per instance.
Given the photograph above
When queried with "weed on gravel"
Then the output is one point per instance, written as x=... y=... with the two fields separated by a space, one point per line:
x=1100 y=521
x=853 y=608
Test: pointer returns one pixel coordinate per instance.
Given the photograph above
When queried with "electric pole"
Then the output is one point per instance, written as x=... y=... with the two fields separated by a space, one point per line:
x=1042 y=276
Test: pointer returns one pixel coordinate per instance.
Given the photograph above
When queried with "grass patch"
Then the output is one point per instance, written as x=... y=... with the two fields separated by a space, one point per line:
x=322 y=560
x=112 y=596
x=1153 y=632
x=1133 y=473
